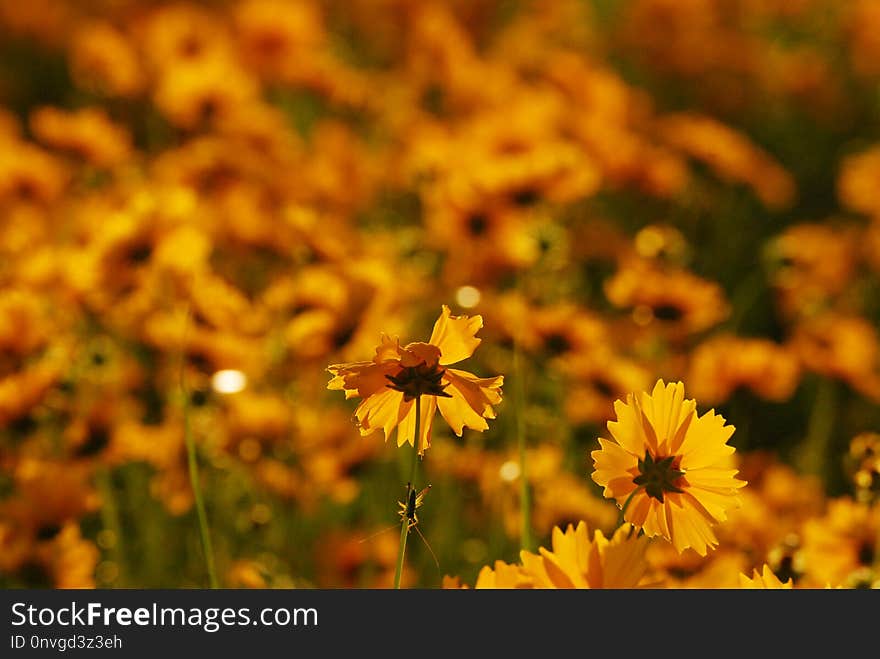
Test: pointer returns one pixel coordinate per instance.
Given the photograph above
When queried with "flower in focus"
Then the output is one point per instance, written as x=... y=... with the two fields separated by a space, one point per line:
x=389 y=385
x=669 y=468
x=764 y=579
x=575 y=561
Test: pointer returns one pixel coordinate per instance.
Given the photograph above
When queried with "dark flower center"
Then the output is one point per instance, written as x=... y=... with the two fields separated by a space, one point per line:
x=557 y=343
x=658 y=476
x=604 y=387
x=97 y=439
x=415 y=381
x=866 y=554
x=48 y=531
x=477 y=224
x=668 y=312
x=526 y=197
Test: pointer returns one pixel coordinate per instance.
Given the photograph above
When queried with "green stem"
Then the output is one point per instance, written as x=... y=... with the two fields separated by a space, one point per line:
x=192 y=460
x=525 y=505
x=620 y=519
x=813 y=459
x=404 y=524
x=110 y=520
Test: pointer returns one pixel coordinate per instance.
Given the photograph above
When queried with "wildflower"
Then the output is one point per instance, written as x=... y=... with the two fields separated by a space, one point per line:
x=103 y=60
x=88 y=134
x=731 y=155
x=839 y=346
x=840 y=547
x=668 y=468
x=812 y=264
x=575 y=561
x=389 y=385
x=672 y=299
x=724 y=363
x=764 y=579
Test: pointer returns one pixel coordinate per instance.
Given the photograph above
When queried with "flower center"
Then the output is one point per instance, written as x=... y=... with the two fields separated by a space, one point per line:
x=668 y=312
x=418 y=380
x=659 y=475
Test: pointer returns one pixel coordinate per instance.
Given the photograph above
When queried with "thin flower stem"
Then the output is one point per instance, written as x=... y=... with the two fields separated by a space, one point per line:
x=524 y=494
x=110 y=520
x=626 y=505
x=820 y=429
x=193 y=463
x=404 y=524
x=204 y=530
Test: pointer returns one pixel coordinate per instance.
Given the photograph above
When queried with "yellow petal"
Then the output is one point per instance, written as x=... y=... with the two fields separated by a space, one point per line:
x=382 y=410
x=455 y=336
x=471 y=400
x=407 y=429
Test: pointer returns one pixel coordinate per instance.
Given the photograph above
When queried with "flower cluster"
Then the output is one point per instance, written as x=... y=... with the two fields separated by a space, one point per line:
x=203 y=205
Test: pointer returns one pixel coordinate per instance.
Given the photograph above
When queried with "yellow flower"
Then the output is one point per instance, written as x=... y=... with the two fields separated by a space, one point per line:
x=764 y=579
x=575 y=561
x=391 y=382
x=668 y=467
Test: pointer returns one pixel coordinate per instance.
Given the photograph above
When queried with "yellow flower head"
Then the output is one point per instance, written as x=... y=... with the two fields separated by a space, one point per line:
x=764 y=579
x=575 y=561
x=579 y=562
x=390 y=384
x=668 y=467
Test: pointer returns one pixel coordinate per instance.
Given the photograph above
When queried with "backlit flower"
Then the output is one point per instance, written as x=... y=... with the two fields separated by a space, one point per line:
x=575 y=561
x=669 y=467
x=390 y=384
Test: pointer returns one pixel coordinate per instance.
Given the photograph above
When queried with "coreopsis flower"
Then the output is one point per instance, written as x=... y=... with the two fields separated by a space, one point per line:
x=724 y=363
x=730 y=154
x=390 y=383
x=672 y=300
x=575 y=561
x=669 y=468
x=579 y=562
x=840 y=548
x=764 y=579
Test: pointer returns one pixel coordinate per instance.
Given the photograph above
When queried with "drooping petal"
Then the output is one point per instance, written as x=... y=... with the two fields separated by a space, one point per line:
x=364 y=379
x=382 y=410
x=471 y=400
x=455 y=336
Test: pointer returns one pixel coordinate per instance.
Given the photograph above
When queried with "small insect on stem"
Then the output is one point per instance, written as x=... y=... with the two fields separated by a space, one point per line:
x=415 y=501
x=408 y=511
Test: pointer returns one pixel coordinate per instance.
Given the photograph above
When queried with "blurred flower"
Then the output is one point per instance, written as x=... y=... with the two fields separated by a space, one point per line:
x=811 y=265
x=844 y=347
x=840 y=547
x=669 y=467
x=675 y=300
x=88 y=134
x=857 y=181
x=731 y=155
x=724 y=363
x=104 y=60
x=863 y=462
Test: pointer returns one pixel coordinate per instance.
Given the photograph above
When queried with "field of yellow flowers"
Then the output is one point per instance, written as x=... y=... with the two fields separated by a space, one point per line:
x=440 y=293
